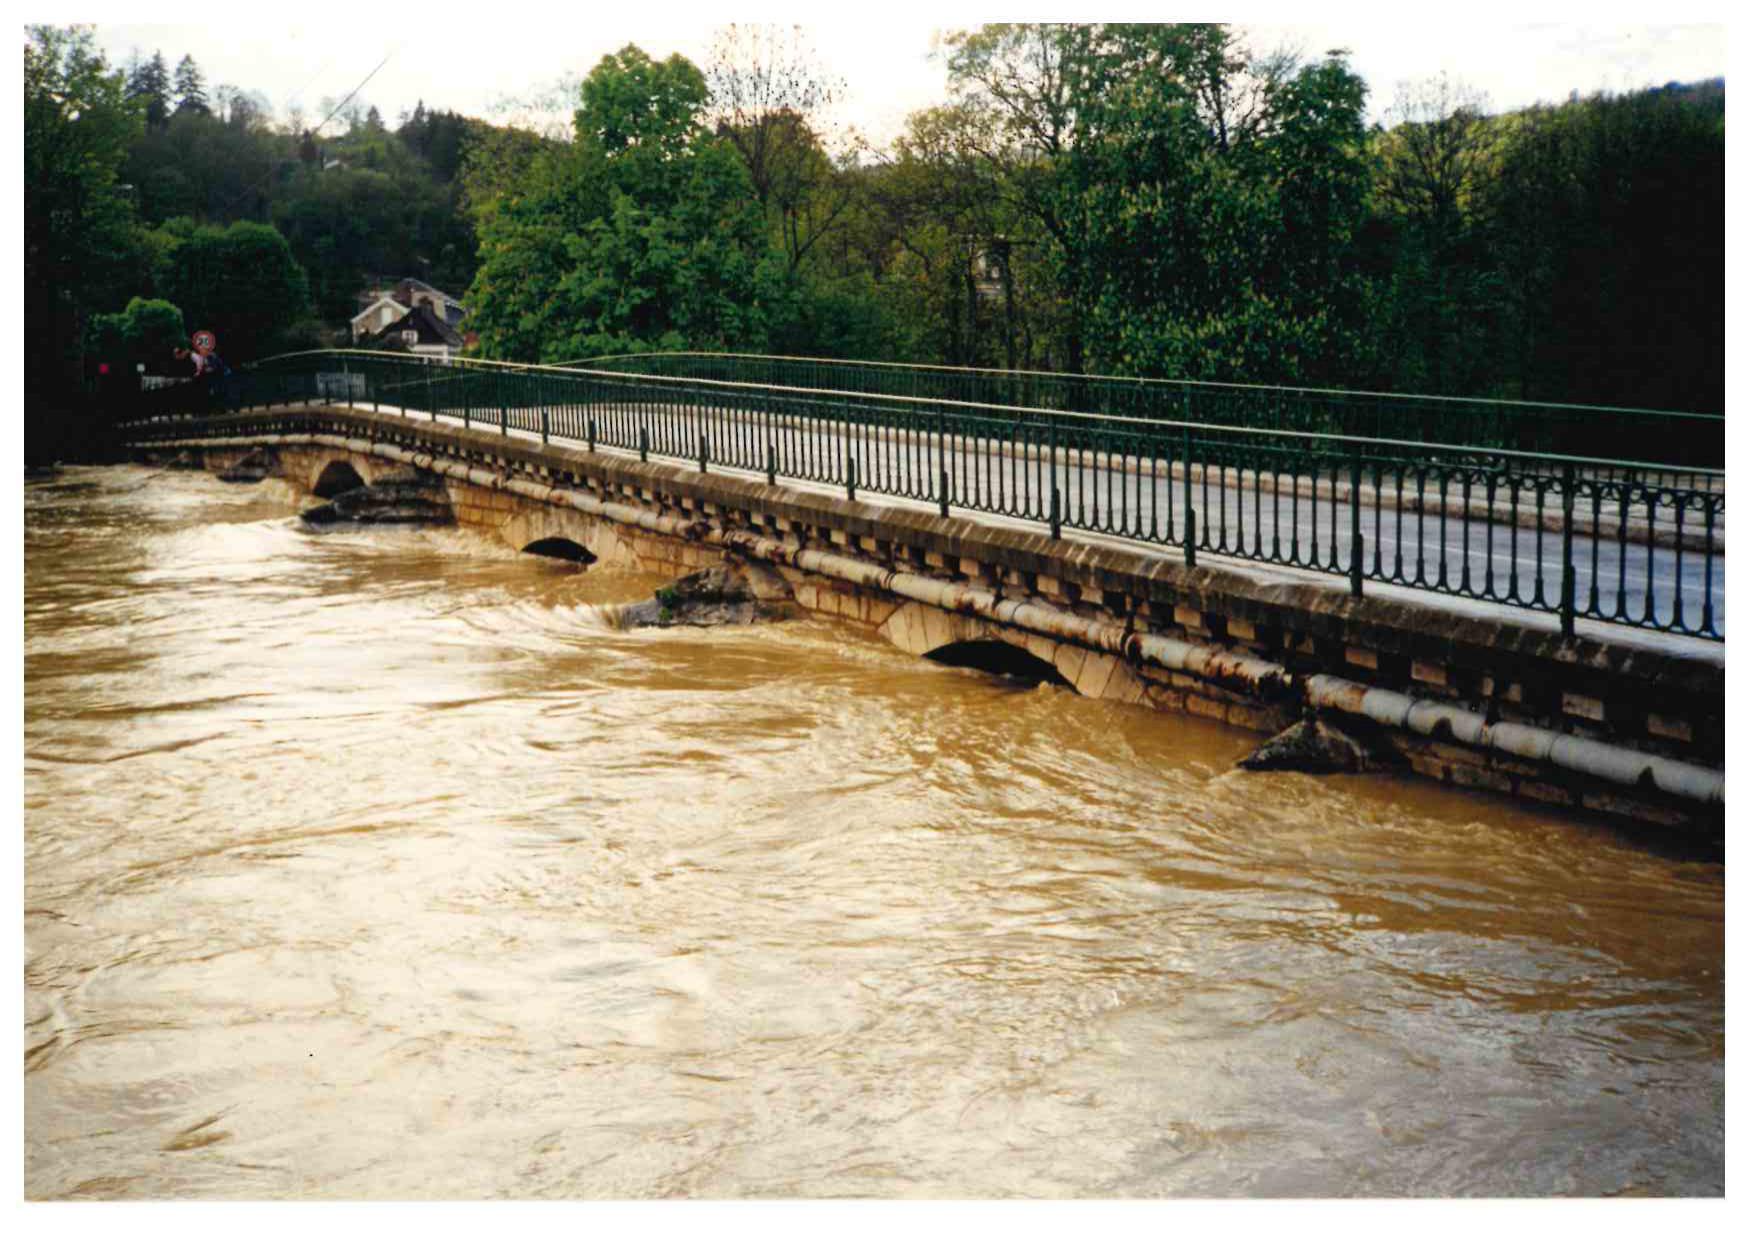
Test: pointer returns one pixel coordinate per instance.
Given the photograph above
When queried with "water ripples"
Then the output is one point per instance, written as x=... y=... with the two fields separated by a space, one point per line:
x=385 y=865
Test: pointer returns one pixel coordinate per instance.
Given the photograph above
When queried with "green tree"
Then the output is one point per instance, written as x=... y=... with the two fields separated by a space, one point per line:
x=381 y=213
x=191 y=87
x=148 y=332
x=345 y=223
x=1196 y=202
x=1441 y=327
x=941 y=197
x=497 y=163
x=241 y=283
x=650 y=110
x=80 y=250
x=644 y=234
x=1023 y=82
x=767 y=97
x=1605 y=222
x=197 y=164
x=149 y=82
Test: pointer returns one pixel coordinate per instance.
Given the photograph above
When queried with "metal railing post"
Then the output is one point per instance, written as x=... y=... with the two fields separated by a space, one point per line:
x=1356 y=541
x=703 y=453
x=1055 y=488
x=850 y=478
x=1189 y=508
x=941 y=454
x=1568 y=575
x=1707 y=623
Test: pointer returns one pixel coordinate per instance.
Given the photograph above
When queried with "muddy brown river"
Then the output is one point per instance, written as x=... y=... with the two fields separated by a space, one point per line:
x=381 y=865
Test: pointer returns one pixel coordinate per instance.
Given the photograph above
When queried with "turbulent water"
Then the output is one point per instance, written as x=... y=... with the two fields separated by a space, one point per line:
x=380 y=864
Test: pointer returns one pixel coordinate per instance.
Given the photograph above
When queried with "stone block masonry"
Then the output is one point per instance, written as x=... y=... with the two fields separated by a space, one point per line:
x=1611 y=723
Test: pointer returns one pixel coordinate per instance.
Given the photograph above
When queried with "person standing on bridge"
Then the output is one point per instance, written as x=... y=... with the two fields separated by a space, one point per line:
x=210 y=366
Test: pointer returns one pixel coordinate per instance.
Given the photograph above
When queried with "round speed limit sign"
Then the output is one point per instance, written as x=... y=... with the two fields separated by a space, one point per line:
x=205 y=342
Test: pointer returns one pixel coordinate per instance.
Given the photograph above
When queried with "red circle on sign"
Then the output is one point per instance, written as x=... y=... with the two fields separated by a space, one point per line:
x=205 y=342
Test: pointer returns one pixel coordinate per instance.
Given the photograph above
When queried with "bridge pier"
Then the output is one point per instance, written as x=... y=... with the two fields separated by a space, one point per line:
x=1615 y=724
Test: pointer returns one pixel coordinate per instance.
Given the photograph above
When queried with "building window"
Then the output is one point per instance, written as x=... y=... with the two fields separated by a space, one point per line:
x=410 y=336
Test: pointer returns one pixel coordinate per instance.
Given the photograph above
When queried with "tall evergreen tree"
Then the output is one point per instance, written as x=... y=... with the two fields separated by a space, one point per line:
x=150 y=81
x=190 y=87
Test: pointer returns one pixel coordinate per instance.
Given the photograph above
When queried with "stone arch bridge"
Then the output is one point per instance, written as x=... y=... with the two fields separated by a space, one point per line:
x=1627 y=727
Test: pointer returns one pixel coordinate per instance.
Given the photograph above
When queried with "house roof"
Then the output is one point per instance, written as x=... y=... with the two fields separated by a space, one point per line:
x=418 y=285
x=380 y=301
x=431 y=329
x=400 y=291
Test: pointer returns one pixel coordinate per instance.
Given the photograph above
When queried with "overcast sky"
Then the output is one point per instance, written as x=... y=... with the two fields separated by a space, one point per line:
x=510 y=48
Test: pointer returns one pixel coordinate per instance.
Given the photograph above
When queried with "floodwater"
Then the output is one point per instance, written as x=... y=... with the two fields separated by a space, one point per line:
x=380 y=865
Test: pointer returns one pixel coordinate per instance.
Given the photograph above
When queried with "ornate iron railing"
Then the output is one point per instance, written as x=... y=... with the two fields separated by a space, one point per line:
x=1577 y=537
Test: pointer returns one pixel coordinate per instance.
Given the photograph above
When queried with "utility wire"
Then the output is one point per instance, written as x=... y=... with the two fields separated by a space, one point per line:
x=291 y=99
x=348 y=99
x=312 y=132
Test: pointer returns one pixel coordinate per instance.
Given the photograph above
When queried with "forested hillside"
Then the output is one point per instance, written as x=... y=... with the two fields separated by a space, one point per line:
x=1126 y=199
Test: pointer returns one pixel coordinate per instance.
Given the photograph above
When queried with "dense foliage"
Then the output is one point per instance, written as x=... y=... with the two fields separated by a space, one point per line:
x=642 y=234
x=79 y=250
x=146 y=332
x=1141 y=199
x=239 y=282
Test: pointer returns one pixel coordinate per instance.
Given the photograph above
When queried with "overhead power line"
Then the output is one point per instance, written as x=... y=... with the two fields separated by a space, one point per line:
x=330 y=116
x=348 y=99
x=296 y=95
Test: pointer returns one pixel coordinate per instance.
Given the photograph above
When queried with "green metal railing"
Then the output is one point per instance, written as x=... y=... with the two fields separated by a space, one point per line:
x=1578 y=537
x=1663 y=437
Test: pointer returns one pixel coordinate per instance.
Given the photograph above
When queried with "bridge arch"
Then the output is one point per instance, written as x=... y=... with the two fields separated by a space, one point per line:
x=999 y=658
x=948 y=637
x=558 y=548
x=336 y=476
x=567 y=534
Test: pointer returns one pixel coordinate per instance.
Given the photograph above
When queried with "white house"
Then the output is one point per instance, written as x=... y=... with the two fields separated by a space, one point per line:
x=384 y=306
x=376 y=316
x=418 y=331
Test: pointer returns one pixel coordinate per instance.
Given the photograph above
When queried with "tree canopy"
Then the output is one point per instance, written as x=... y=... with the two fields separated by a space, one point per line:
x=79 y=249
x=643 y=234
x=240 y=282
x=1149 y=199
